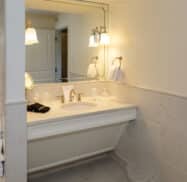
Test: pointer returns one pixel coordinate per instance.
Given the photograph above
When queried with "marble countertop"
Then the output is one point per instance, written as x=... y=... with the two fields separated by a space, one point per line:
x=103 y=105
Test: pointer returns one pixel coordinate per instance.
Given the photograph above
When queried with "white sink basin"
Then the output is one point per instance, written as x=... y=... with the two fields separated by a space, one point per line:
x=78 y=106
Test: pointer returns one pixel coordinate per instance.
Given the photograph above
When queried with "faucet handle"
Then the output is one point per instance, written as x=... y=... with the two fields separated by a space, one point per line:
x=79 y=97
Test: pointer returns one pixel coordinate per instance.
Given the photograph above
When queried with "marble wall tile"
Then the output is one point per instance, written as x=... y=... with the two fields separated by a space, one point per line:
x=154 y=146
x=170 y=173
x=43 y=91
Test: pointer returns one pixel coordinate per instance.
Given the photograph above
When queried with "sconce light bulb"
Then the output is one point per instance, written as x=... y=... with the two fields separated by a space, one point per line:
x=92 y=41
x=105 y=38
x=29 y=83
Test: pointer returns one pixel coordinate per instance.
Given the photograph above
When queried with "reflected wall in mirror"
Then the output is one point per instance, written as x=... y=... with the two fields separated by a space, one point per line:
x=64 y=28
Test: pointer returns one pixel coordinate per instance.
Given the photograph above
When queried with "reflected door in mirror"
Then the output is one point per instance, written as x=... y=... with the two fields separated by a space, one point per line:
x=41 y=57
x=64 y=39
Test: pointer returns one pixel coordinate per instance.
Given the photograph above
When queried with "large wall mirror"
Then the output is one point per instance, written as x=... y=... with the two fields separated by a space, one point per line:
x=69 y=43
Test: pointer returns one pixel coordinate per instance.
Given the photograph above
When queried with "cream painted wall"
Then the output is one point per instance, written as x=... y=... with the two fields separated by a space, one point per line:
x=151 y=35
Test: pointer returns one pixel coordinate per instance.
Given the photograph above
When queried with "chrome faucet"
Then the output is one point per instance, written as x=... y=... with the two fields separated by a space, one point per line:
x=74 y=95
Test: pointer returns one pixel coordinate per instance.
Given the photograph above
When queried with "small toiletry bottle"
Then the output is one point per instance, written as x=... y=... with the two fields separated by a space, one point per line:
x=66 y=91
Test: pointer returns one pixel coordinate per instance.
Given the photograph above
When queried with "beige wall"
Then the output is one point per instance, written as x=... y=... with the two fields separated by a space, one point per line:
x=151 y=35
x=42 y=21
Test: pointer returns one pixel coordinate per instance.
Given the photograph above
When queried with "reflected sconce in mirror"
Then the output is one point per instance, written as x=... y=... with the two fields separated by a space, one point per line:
x=30 y=34
x=94 y=40
x=29 y=83
x=104 y=37
x=99 y=37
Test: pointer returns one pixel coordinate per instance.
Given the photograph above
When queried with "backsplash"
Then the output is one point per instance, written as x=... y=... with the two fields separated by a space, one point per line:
x=43 y=92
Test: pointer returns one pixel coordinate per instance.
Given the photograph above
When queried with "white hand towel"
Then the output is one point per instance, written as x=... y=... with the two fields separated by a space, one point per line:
x=120 y=75
x=92 y=71
x=115 y=73
x=111 y=73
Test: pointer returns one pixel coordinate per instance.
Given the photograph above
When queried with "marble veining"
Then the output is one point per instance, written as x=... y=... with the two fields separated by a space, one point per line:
x=155 y=145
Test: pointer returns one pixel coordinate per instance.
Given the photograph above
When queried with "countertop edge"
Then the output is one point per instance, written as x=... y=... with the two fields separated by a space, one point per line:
x=79 y=115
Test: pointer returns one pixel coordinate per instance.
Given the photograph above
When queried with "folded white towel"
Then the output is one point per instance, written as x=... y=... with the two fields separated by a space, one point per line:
x=92 y=71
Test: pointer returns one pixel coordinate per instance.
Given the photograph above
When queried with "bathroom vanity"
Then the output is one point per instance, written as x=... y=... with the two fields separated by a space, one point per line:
x=92 y=125
x=74 y=131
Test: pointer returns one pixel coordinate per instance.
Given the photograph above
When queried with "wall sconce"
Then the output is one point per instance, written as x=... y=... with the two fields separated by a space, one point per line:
x=94 y=38
x=30 y=34
x=99 y=37
x=93 y=42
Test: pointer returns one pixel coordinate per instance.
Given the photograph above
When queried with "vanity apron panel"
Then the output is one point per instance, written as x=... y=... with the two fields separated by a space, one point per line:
x=79 y=123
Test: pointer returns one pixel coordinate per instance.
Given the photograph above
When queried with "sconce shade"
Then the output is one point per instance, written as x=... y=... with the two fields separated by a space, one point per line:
x=92 y=41
x=29 y=83
x=99 y=37
x=104 y=39
x=31 y=36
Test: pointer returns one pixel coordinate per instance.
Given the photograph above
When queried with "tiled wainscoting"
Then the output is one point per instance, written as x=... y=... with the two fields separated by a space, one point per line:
x=155 y=145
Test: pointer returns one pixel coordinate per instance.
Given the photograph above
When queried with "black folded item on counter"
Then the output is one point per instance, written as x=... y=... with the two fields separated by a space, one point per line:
x=38 y=108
